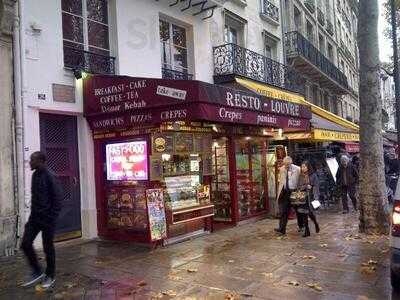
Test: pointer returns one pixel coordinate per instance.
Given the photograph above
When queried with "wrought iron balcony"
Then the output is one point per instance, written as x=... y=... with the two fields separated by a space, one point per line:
x=321 y=17
x=270 y=11
x=329 y=27
x=90 y=62
x=231 y=60
x=310 y=4
x=177 y=75
x=297 y=46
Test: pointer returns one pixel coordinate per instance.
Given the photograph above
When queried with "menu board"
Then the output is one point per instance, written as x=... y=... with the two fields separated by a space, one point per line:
x=156 y=213
x=184 y=142
x=127 y=161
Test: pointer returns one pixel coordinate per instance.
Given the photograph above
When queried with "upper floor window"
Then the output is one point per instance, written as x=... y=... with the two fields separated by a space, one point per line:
x=310 y=32
x=234 y=30
x=297 y=19
x=85 y=25
x=174 y=50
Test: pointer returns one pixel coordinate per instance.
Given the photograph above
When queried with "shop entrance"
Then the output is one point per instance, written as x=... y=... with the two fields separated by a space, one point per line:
x=58 y=140
x=251 y=176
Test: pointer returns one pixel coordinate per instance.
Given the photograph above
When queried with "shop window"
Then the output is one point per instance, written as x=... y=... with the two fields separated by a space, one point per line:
x=221 y=189
x=251 y=167
x=174 y=48
x=85 y=28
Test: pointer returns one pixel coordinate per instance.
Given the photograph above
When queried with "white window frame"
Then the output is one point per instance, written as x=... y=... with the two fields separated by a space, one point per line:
x=85 y=28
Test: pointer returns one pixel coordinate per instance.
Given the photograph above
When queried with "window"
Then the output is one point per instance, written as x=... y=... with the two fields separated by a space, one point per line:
x=297 y=19
x=174 y=52
x=310 y=32
x=339 y=31
x=330 y=53
x=234 y=30
x=85 y=26
x=270 y=47
x=321 y=42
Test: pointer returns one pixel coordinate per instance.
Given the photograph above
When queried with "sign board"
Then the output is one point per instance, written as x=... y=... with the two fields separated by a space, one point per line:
x=329 y=135
x=156 y=213
x=127 y=161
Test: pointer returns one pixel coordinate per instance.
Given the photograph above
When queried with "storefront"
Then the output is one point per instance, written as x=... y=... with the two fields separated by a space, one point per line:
x=172 y=156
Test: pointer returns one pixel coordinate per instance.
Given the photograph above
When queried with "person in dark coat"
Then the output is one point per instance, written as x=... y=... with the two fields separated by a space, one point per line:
x=347 y=180
x=45 y=207
x=308 y=182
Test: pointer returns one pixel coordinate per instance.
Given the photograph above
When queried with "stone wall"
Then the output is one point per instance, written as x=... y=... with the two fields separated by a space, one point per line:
x=8 y=209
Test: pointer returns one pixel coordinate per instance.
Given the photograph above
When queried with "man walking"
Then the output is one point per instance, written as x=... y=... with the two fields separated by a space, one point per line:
x=288 y=181
x=45 y=207
x=347 y=179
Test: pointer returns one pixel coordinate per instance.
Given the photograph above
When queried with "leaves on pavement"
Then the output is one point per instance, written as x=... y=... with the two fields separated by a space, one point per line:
x=315 y=286
x=294 y=283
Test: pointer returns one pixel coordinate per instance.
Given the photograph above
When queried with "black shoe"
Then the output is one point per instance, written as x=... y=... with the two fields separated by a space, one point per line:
x=316 y=227
x=300 y=229
x=345 y=212
x=33 y=279
x=279 y=232
x=307 y=233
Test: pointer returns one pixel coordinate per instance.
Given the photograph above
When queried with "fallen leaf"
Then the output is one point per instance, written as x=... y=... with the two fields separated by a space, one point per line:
x=323 y=245
x=249 y=269
x=309 y=257
x=70 y=285
x=142 y=283
x=231 y=261
x=246 y=295
x=294 y=283
x=39 y=288
x=269 y=275
x=367 y=270
x=315 y=286
x=175 y=278
x=342 y=255
x=192 y=270
x=372 y=262
x=169 y=293
x=157 y=296
x=229 y=296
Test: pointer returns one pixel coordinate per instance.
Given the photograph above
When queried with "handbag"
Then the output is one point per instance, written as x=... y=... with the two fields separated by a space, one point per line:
x=298 y=198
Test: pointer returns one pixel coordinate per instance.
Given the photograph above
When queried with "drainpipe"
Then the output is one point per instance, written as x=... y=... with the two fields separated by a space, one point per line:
x=19 y=91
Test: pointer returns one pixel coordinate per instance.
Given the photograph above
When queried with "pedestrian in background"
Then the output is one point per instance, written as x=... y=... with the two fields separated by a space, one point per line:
x=308 y=183
x=288 y=181
x=347 y=180
x=45 y=207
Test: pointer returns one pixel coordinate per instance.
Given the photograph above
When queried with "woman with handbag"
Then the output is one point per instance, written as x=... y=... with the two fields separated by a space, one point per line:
x=306 y=199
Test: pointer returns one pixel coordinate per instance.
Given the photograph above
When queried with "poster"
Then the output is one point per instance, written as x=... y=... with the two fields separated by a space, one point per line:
x=156 y=213
x=127 y=161
x=333 y=166
x=156 y=168
x=163 y=143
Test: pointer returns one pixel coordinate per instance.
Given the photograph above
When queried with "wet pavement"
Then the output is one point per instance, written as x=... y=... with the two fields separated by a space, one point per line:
x=246 y=262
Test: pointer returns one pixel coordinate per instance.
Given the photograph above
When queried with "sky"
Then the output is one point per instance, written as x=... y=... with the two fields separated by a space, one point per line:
x=385 y=48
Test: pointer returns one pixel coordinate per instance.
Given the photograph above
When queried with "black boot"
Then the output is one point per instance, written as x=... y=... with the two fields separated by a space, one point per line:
x=306 y=232
x=316 y=227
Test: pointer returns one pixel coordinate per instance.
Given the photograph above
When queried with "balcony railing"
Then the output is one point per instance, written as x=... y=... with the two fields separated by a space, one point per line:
x=270 y=10
x=177 y=75
x=310 y=4
x=297 y=45
x=321 y=17
x=329 y=27
x=233 y=60
x=88 y=61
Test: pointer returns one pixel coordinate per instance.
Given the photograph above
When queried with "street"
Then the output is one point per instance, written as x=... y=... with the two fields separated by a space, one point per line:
x=246 y=262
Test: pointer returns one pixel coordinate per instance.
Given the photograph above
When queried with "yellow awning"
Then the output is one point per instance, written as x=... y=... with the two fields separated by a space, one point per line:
x=320 y=135
x=276 y=93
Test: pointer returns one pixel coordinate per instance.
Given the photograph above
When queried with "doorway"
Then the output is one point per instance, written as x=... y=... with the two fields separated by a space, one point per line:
x=58 y=140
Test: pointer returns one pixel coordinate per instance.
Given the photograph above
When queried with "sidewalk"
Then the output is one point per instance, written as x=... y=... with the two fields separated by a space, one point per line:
x=246 y=262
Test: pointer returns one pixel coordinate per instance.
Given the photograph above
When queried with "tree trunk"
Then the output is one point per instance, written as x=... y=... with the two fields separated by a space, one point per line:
x=373 y=218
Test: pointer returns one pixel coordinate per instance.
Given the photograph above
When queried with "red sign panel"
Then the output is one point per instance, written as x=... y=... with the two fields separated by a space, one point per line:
x=121 y=101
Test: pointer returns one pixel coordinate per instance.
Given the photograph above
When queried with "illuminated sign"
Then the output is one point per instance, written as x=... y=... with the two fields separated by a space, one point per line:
x=127 y=161
x=328 y=135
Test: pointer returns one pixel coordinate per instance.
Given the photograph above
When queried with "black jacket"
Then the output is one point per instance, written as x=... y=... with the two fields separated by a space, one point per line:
x=46 y=197
x=352 y=175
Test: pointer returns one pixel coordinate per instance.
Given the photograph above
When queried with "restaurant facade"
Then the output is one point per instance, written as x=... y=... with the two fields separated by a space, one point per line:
x=175 y=157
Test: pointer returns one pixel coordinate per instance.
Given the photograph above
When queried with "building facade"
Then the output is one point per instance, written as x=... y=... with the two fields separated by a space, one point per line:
x=8 y=203
x=388 y=100
x=213 y=41
x=320 y=43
